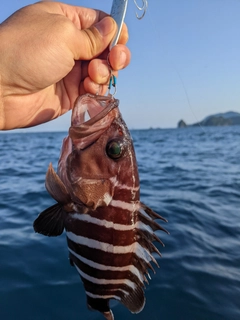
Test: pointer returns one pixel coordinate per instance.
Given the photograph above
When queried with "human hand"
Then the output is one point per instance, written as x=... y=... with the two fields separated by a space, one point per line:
x=50 y=54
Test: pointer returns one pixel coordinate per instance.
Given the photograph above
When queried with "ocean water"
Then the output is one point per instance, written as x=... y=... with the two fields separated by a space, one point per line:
x=190 y=176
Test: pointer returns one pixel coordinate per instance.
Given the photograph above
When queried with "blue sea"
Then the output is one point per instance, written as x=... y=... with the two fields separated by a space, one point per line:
x=190 y=176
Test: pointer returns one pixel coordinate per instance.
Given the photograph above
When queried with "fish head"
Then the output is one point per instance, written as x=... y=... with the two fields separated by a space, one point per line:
x=98 y=154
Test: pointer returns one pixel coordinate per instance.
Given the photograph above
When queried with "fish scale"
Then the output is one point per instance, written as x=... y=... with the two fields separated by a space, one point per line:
x=109 y=230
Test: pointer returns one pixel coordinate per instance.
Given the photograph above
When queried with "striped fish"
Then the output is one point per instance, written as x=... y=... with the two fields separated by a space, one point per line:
x=109 y=231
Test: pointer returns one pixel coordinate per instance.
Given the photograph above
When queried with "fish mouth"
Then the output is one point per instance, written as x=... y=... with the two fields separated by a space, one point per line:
x=102 y=110
x=96 y=106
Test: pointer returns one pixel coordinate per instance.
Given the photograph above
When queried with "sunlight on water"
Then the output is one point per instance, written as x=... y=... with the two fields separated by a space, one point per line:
x=189 y=176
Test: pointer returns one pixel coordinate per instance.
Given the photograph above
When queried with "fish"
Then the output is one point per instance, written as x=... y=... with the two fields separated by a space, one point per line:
x=109 y=231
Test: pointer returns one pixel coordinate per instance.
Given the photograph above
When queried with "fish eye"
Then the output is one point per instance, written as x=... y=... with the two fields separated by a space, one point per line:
x=114 y=149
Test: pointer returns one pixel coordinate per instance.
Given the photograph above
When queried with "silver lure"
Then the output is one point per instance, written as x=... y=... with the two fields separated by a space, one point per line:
x=118 y=12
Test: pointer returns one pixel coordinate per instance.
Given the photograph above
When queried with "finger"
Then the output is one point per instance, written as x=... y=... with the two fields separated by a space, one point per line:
x=84 y=71
x=90 y=42
x=123 y=39
x=94 y=88
x=72 y=80
x=82 y=17
x=99 y=71
x=87 y=17
x=119 y=57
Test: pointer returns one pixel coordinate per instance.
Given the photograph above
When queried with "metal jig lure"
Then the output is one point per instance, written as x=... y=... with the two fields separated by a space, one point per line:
x=118 y=12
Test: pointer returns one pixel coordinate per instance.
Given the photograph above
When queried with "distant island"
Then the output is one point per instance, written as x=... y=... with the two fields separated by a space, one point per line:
x=229 y=118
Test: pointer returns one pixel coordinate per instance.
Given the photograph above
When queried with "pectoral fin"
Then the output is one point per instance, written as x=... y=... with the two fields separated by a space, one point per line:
x=51 y=221
x=55 y=186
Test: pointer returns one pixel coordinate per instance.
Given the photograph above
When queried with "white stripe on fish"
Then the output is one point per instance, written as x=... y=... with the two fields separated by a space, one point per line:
x=103 y=267
x=110 y=224
x=132 y=207
x=120 y=185
x=105 y=281
x=98 y=296
x=107 y=247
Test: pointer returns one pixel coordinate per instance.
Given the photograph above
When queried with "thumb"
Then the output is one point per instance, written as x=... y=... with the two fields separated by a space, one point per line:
x=94 y=40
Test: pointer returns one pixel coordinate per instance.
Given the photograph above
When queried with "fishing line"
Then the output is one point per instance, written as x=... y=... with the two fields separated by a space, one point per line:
x=188 y=100
x=174 y=67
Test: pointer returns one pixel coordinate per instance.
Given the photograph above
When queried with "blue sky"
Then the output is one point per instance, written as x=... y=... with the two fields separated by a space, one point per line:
x=185 y=61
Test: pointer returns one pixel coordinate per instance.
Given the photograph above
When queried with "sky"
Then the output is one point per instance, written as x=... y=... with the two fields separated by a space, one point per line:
x=185 y=61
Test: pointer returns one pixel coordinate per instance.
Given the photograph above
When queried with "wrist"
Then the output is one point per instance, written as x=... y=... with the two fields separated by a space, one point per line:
x=2 y=117
x=5 y=53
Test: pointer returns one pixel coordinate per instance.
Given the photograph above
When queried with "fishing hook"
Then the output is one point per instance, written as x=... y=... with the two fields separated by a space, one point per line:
x=144 y=8
x=112 y=83
x=118 y=12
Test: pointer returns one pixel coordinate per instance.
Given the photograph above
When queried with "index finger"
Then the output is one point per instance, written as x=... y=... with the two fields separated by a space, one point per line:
x=81 y=17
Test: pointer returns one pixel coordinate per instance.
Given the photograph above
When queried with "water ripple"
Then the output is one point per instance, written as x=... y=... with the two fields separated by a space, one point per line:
x=190 y=176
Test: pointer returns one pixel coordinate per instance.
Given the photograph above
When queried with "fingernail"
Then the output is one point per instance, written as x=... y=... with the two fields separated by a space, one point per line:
x=122 y=59
x=105 y=26
x=103 y=71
